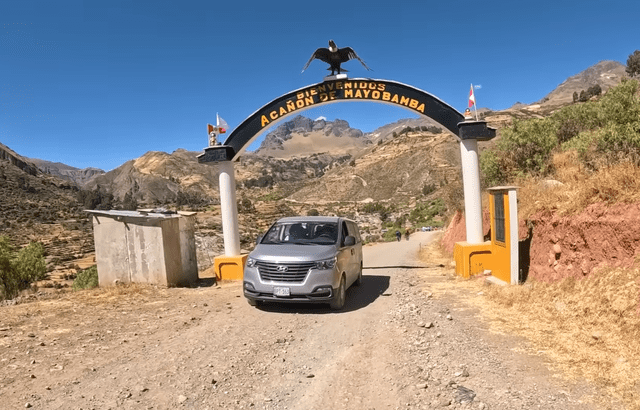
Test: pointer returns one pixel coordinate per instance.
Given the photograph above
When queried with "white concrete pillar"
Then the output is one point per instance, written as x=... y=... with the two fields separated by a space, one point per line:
x=471 y=184
x=229 y=209
x=513 y=236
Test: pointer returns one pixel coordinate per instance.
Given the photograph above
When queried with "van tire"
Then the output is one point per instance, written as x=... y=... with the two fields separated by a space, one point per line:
x=341 y=294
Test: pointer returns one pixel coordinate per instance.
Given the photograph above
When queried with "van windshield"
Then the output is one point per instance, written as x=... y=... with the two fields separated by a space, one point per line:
x=302 y=233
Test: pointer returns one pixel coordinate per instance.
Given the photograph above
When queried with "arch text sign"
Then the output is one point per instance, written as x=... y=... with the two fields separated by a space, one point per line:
x=356 y=89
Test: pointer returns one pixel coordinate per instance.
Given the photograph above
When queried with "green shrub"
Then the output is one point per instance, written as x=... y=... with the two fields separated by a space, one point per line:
x=313 y=212
x=86 y=279
x=605 y=131
x=424 y=213
x=19 y=270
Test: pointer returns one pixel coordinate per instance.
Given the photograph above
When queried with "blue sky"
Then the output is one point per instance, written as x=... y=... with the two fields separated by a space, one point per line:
x=97 y=83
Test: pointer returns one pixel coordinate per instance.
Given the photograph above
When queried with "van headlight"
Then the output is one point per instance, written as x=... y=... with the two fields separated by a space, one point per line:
x=251 y=262
x=325 y=264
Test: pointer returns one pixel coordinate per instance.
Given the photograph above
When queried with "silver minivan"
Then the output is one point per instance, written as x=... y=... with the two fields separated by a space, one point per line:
x=305 y=259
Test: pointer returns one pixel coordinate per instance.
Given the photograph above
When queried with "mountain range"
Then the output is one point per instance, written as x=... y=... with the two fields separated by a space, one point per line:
x=305 y=158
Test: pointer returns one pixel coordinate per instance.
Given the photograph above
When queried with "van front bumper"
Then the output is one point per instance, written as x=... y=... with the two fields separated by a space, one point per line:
x=321 y=294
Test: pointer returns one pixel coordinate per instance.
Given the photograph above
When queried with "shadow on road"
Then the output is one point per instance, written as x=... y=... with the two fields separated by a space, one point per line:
x=358 y=297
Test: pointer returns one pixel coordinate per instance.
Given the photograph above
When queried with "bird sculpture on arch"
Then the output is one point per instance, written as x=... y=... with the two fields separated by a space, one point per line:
x=335 y=56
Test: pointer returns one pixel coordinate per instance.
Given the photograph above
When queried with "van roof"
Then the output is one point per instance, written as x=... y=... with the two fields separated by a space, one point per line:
x=312 y=218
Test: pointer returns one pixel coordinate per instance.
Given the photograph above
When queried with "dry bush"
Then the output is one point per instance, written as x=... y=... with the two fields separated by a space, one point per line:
x=591 y=327
x=580 y=187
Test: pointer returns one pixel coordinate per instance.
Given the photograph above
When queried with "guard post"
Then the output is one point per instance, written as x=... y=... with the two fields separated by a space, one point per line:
x=500 y=255
x=231 y=265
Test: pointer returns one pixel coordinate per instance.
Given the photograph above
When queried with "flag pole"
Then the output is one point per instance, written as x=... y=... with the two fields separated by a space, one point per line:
x=475 y=105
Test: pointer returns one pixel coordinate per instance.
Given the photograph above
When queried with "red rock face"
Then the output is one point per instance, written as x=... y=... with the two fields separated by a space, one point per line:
x=574 y=245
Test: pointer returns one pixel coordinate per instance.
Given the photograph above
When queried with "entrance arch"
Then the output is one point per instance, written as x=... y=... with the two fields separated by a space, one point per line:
x=330 y=91
x=342 y=90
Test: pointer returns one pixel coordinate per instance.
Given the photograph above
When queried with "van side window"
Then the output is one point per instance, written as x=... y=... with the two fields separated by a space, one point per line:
x=344 y=233
x=353 y=231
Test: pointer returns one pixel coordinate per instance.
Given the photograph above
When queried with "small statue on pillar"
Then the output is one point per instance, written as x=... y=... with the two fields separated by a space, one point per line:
x=467 y=115
x=213 y=136
x=221 y=127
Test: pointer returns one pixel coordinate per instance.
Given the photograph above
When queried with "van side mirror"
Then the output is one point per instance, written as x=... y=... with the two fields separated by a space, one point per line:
x=258 y=239
x=349 y=240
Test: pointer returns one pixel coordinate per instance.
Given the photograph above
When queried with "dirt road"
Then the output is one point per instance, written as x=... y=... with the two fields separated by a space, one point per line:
x=397 y=344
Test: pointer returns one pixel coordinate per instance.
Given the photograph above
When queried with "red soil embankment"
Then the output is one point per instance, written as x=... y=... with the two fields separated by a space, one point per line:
x=563 y=246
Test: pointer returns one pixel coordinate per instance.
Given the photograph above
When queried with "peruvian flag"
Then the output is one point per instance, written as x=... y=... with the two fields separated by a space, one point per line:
x=222 y=125
x=472 y=98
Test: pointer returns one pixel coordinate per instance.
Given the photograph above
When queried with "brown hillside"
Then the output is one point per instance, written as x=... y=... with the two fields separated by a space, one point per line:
x=398 y=168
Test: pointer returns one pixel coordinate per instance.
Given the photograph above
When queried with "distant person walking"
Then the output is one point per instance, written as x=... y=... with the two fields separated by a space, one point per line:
x=407 y=233
x=398 y=235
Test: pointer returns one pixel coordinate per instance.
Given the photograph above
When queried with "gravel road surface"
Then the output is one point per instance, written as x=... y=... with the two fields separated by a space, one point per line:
x=397 y=344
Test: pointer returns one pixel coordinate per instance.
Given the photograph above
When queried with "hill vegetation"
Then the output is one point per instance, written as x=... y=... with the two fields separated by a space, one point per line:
x=602 y=133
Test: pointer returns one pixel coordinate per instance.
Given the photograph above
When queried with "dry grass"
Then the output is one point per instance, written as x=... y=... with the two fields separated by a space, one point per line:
x=589 y=328
x=581 y=188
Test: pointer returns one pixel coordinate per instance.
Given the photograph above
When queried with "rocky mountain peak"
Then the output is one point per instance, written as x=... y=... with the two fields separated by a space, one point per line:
x=304 y=136
x=606 y=74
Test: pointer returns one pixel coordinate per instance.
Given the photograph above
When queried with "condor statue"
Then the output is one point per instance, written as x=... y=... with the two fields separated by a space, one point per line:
x=335 y=56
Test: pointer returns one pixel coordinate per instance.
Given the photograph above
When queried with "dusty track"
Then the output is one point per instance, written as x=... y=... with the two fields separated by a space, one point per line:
x=395 y=345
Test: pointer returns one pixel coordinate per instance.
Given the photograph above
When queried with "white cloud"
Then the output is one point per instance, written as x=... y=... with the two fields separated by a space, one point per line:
x=477 y=87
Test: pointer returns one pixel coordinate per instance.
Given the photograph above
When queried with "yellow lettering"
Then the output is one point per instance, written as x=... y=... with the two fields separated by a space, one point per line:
x=331 y=85
x=395 y=98
x=348 y=93
x=300 y=95
x=283 y=111
x=372 y=86
x=322 y=88
x=381 y=87
x=366 y=93
x=332 y=95
x=300 y=103
x=339 y=85
x=421 y=108
x=413 y=103
x=308 y=101
x=375 y=95
x=363 y=84
x=314 y=91
x=404 y=100
x=290 y=106
x=263 y=121
x=358 y=94
x=386 y=96
x=273 y=115
x=348 y=85
x=323 y=97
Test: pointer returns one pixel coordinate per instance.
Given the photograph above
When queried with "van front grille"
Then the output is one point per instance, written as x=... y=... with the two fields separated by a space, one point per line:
x=284 y=272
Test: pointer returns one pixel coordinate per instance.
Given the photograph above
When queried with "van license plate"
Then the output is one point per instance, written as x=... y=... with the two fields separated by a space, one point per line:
x=278 y=291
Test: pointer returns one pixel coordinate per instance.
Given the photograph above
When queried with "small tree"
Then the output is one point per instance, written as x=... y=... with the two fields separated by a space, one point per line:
x=633 y=64
x=19 y=270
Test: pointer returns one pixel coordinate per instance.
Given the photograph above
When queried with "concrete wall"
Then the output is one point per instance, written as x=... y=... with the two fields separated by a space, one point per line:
x=141 y=249
x=188 y=248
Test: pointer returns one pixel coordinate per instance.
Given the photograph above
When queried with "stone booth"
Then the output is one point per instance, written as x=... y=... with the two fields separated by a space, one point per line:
x=145 y=247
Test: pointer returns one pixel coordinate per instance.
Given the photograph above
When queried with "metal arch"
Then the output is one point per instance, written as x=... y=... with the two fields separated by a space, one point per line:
x=341 y=90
